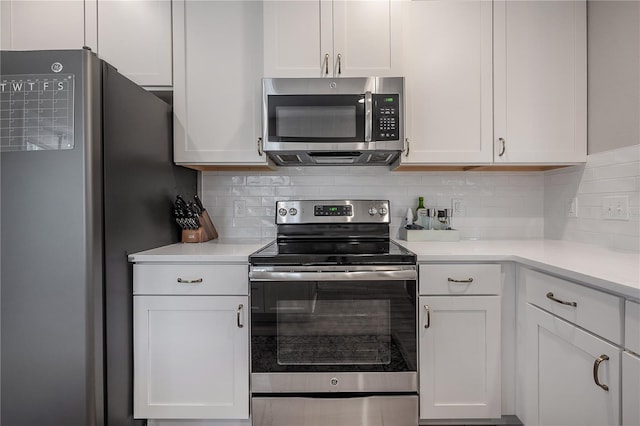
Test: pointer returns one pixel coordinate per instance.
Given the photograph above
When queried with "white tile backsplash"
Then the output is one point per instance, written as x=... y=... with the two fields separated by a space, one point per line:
x=615 y=172
x=496 y=205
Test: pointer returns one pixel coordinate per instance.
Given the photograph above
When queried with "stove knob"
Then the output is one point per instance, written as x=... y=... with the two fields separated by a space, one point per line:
x=382 y=211
x=293 y=211
x=282 y=212
x=372 y=211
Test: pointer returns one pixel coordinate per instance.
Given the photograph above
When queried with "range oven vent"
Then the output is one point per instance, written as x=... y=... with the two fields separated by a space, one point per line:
x=289 y=159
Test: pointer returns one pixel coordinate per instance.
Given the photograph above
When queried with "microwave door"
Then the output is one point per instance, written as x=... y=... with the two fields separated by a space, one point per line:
x=318 y=118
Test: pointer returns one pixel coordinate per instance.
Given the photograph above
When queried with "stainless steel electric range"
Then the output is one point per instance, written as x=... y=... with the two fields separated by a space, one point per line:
x=333 y=319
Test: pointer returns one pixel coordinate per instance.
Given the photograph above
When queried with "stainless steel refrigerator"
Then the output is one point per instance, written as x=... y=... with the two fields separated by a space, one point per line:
x=86 y=178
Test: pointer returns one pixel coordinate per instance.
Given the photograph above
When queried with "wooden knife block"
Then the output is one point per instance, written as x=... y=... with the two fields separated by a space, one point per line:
x=205 y=232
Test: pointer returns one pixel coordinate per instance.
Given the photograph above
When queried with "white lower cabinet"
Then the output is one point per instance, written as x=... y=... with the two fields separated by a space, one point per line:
x=573 y=375
x=191 y=341
x=630 y=389
x=459 y=357
x=191 y=357
x=459 y=341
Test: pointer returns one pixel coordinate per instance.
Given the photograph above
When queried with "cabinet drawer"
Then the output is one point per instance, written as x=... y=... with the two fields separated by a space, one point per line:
x=632 y=326
x=191 y=279
x=598 y=312
x=462 y=279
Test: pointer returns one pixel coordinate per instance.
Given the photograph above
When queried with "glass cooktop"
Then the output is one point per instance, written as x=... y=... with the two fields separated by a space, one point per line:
x=333 y=252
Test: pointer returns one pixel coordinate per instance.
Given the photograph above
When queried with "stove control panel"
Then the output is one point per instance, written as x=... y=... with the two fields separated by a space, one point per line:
x=332 y=211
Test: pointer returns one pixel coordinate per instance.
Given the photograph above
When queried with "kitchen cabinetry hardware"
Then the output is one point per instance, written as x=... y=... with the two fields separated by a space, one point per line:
x=260 y=151
x=503 y=145
x=326 y=64
x=596 y=366
x=428 y=324
x=196 y=281
x=468 y=280
x=406 y=151
x=339 y=64
x=562 y=302
x=238 y=315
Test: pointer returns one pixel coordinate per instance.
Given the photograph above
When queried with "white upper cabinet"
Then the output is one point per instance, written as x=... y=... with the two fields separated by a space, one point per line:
x=500 y=82
x=135 y=37
x=217 y=83
x=448 y=78
x=332 y=38
x=40 y=25
x=540 y=76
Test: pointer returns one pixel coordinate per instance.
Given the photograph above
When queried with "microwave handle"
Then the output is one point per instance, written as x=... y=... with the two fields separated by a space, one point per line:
x=368 y=116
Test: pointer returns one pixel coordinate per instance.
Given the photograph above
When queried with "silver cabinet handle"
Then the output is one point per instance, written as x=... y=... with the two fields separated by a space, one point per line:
x=468 y=280
x=406 y=141
x=196 y=281
x=428 y=323
x=596 y=366
x=326 y=64
x=238 y=316
x=562 y=302
x=504 y=146
x=339 y=64
x=260 y=151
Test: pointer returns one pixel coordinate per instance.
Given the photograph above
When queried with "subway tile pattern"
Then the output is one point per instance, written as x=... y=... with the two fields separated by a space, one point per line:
x=610 y=173
x=495 y=205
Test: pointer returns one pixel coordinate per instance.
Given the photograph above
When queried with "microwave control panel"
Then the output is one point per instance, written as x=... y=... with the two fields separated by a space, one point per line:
x=386 y=117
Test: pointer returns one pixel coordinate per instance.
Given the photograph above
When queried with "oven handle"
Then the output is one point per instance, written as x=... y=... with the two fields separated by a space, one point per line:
x=371 y=275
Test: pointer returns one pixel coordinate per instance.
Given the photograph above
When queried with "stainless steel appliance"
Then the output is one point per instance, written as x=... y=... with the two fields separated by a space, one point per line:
x=86 y=178
x=320 y=121
x=333 y=319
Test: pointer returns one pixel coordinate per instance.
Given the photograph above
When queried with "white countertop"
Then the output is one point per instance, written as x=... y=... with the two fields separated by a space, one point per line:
x=610 y=270
x=607 y=269
x=213 y=251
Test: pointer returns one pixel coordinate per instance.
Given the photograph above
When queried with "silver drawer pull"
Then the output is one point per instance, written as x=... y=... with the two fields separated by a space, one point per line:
x=468 y=280
x=239 y=313
x=596 y=366
x=562 y=302
x=428 y=324
x=196 y=281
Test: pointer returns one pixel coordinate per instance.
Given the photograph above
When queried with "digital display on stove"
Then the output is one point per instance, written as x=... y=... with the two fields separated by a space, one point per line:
x=344 y=210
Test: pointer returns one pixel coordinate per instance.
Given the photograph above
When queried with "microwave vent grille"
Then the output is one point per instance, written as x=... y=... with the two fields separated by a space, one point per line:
x=380 y=157
x=287 y=159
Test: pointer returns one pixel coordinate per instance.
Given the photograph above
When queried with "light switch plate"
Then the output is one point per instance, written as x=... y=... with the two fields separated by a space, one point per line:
x=572 y=207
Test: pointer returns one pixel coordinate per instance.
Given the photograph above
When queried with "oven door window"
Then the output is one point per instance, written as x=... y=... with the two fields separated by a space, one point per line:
x=333 y=326
x=316 y=118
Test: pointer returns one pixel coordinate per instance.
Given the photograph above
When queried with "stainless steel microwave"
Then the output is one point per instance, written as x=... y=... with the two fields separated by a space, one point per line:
x=342 y=121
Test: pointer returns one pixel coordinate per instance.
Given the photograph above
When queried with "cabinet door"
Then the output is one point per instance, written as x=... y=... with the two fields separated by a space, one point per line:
x=448 y=69
x=563 y=363
x=630 y=389
x=367 y=38
x=135 y=37
x=294 y=40
x=191 y=357
x=459 y=338
x=217 y=82
x=40 y=25
x=540 y=81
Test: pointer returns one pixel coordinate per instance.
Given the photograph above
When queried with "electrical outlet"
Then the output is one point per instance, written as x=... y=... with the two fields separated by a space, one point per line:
x=239 y=208
x=572 y=207
x=458 y=207
x=615 y=208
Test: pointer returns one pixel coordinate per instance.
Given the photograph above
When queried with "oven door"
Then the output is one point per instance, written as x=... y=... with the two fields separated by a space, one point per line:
x=348 y=329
